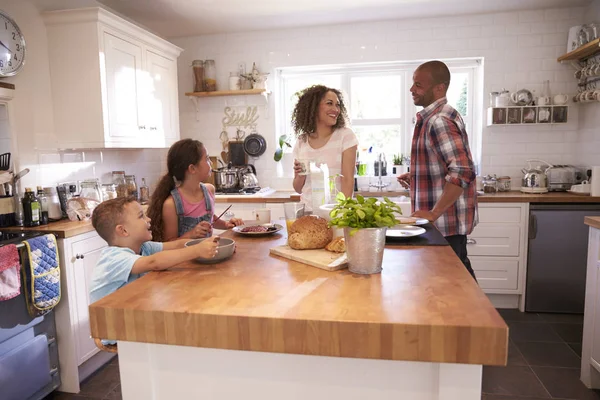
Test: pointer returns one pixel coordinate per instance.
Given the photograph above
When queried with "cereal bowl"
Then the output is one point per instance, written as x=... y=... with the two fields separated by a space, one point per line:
x=225 y=248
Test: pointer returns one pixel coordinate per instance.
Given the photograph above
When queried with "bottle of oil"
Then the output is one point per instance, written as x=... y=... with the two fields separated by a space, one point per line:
x=31 y=209
x=43 y=206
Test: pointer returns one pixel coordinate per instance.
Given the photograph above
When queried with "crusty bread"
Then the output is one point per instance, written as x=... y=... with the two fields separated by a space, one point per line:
x=337 y=245
x=309 y=232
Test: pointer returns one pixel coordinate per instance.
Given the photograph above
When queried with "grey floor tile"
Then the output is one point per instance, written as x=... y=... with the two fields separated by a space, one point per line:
x=571 y=333
x=576 y=348
x=565 y=383
x=513 y=314
x=115 y=394
x=562 y=318
x=532 y=332
x=548 y=354
x=102 y=382
x=512 y=380
x=514 y=355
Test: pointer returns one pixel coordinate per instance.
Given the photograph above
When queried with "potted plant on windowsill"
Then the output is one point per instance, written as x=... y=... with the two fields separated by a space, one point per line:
x=279 y=151
x=365 y=222
x=400 y=164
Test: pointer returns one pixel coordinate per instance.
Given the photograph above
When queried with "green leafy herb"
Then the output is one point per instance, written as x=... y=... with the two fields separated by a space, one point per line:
x=279 y=151
x=363 y=213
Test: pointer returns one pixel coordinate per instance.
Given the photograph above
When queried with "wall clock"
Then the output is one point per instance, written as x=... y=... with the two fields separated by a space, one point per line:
x=12 y=46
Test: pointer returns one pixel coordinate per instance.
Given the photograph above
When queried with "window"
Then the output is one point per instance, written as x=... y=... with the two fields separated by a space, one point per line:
x=379 y=103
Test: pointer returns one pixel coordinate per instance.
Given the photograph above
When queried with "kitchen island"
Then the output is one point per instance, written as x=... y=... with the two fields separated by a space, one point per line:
x=261 y=326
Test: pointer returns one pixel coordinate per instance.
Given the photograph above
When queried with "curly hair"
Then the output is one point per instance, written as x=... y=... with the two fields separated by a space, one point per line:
x=181 y=155
x=305 y=114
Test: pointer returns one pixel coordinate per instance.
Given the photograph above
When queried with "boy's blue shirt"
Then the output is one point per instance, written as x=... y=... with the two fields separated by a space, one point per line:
x=113 y=269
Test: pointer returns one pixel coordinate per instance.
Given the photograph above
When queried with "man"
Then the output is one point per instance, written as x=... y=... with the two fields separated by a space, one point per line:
x=442 y=175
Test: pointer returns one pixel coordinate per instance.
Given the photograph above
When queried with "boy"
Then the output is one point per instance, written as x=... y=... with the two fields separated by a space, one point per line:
x=130 y=253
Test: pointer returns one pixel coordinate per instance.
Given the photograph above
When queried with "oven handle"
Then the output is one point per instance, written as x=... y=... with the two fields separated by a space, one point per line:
x=532 y=227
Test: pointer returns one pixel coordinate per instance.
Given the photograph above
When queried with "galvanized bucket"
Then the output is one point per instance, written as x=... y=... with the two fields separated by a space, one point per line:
x=365 y=249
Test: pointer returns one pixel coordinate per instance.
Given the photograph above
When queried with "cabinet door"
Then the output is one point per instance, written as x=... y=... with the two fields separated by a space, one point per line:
x=124 y=89
x=85 y=255
x=163 y=106
x=596 y=331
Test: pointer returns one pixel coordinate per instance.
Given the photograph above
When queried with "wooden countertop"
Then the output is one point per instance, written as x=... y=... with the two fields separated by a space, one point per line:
x=62 y=229
x=594 y=222
x=550 y=197
x=424 y=306
x=277 y=197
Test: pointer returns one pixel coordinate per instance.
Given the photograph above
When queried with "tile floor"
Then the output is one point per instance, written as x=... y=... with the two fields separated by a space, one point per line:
x=543 y=363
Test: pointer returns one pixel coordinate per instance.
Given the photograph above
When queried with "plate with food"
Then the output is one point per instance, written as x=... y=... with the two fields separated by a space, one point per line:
x=257 y=230
x=412 y=221
x=400 y=231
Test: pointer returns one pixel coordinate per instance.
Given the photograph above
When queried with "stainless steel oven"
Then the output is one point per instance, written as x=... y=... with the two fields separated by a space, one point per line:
x=29 y=368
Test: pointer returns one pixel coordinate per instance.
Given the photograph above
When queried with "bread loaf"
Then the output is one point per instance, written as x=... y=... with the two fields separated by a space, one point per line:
x=309 y=232
x=337 y=245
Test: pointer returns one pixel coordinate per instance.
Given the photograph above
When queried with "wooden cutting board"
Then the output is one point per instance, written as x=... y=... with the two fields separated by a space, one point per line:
x=320 y=258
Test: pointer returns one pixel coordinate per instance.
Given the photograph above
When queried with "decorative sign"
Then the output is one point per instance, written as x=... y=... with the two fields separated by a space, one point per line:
x=240 y=119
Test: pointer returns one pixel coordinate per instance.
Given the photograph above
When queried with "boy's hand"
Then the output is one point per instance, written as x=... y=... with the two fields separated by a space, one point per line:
x=208 y=248
x=201 y=230
x=233 y=222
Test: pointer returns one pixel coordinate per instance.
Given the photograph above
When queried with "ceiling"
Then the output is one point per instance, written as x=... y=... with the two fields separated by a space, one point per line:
x=177 y=18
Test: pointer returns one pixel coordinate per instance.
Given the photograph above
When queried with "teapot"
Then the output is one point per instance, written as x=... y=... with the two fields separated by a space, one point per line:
x=535 y=177
x=522 y=97
x=560 y=99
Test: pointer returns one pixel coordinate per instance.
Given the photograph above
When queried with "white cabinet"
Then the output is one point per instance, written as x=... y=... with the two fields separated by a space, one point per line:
x=590 y=354
x=497 y=247
x=78 y=355
x=114 y=84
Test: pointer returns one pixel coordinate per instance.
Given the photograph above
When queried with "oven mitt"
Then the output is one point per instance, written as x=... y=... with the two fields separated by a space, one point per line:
x=41 y=274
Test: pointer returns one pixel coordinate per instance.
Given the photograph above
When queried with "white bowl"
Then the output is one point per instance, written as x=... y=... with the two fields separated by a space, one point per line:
x=225 y=250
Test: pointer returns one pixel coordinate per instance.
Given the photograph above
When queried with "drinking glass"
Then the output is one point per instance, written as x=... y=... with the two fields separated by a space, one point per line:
x=292 y=212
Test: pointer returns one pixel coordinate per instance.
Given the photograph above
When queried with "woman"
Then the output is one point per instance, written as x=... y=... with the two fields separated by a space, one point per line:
x=319 y=121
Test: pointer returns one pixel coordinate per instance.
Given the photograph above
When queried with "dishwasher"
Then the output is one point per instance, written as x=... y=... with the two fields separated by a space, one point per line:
x=557 y=257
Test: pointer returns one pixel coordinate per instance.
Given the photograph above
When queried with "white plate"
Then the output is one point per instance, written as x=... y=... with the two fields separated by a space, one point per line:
x=400 y=231
x=238 y=229
x=412 y=221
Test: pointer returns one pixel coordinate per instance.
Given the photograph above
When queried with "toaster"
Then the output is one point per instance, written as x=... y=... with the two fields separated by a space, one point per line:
x=562 y=177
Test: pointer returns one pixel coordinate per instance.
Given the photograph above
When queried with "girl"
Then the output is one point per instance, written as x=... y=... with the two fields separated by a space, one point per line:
x=319 y=121
x=182 y=206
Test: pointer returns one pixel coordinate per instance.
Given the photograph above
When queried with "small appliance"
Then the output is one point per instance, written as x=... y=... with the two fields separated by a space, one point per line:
x=562 y=177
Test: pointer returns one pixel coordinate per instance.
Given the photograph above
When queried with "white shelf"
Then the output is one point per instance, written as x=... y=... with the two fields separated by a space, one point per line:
x=527 y=115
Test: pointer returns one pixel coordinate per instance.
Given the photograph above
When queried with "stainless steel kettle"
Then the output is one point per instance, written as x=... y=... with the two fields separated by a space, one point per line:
x=247 y=177
x=535 y=177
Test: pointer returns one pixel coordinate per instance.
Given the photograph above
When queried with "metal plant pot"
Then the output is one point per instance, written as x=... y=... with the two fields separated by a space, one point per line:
x=365 y=250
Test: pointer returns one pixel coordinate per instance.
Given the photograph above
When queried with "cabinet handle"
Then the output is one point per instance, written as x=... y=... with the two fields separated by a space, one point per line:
x=142 y=127
x=54 y=370
x=79 y=256
x=471 y=241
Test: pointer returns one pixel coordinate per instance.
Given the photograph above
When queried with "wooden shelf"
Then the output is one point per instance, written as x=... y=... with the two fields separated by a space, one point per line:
x=227 y=93
x=515 y=115
x=588 y=49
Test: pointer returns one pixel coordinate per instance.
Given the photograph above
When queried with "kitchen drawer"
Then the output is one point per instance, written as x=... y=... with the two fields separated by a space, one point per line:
x=505 y=215
x=496 y=273
x=494 y=240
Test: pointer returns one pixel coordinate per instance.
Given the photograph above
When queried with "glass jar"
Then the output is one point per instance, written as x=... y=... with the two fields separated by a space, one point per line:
x=234 y=81
x=90 y=189
x=504 y=184
x=132 y=189
x=210 y=76
x=54 y=210
x=493 y=98
x=198 y=68
x=489 y=183
x=109 y=191
x=119 y=182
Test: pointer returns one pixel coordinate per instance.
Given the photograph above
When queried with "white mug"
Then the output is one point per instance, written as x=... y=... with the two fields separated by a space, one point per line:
x=560 y=99
x=543 y=101
x=263 y=215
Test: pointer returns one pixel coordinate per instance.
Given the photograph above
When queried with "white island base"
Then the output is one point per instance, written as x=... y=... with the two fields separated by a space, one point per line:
x=154 y=371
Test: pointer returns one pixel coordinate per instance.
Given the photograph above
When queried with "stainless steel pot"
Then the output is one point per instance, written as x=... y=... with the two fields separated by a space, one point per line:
x=247 y=177
x=226 y=178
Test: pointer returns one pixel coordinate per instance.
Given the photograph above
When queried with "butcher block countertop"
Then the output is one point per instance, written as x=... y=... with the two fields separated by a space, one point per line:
x=62 y=229
x=424 y=306
x=550 y=197
x=594 y=222
x=277 y=197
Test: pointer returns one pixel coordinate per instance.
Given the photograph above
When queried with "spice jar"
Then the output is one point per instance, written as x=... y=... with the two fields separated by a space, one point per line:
x=132 y=189
x=234 y=81
x=504 y=184
x=198 y=68
x=489 y=183
x=210 y=76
